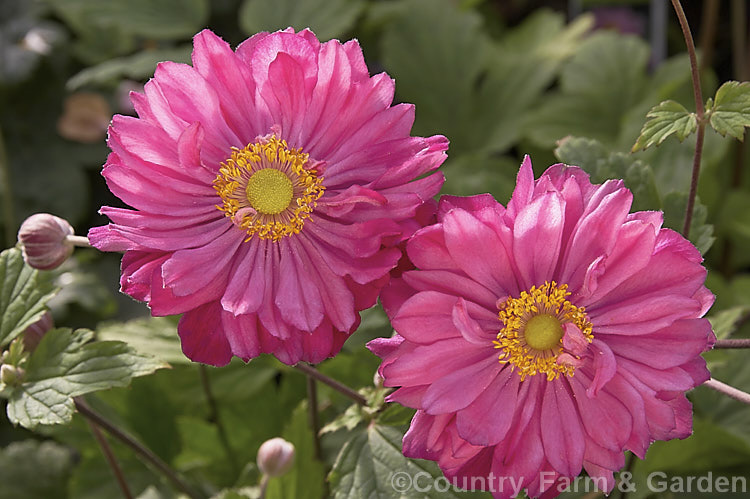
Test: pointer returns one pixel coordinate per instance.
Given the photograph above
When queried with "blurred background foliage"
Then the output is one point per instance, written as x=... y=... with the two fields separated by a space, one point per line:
x=560 y=80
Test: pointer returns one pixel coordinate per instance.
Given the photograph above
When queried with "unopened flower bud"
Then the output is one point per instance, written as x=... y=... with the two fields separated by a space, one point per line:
x=275 y=457
x=11 y=375
x=44 y=240
x=33 y=334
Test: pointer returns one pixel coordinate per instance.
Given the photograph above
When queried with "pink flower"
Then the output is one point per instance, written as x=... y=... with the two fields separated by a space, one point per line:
x=547 y=337
x=270 y=187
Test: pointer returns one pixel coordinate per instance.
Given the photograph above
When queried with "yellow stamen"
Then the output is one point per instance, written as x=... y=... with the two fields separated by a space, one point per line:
x=268 y=189
x=531 y=339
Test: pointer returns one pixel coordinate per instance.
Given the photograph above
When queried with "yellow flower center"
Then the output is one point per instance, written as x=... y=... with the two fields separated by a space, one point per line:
x=543 y=332
x=532 y=334
x=268 y=189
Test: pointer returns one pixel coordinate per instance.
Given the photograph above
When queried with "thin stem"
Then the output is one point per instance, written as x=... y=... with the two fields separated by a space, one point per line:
x=339 y=387
x=146 y=453
x=312 y=408
x=729 y=391
x=111 y=459
x=263 y=486
x=80 y=241
x=9 y=216
x=697 y=94
x=213 y=417
x=738 y=343
x=629 y=468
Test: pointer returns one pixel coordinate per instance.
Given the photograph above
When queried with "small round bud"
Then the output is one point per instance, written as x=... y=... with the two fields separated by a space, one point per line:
x=275 y=457
x=32 y=335
x=44 y=240
x=11 y=375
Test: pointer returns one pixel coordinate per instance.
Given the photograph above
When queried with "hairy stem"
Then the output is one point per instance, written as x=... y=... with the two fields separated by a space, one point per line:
x=738 y=343
x=700 y=115
x=213 y=417
x=312 y=407
x=339 y=387
x=729 y=391
x=144 y=452
x=111 y=459
x=9 y=217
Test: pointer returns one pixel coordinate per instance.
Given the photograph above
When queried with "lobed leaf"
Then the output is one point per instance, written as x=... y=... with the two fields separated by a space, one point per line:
x=66 y=365
x=371 y=465
x=667 y=118
x=23 y=296
x=730 y=113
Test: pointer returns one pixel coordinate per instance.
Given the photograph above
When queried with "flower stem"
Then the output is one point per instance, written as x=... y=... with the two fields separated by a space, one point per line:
x=80 y=241
x=213 y=417
x=146 y=453
x=312 y=407
x=729 y=391
x=111 y=459
x=339 y=387
x=738 y=343
x=700 y=116
x=9 y=216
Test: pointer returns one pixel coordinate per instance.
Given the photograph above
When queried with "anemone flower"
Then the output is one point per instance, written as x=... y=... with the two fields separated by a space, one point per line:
x=547 y=337
x=270 y=189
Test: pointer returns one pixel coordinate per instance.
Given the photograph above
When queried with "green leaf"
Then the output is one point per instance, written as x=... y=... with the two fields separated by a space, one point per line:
x=34 y=470
x=137 y=67
x=155 y=336
x=165 y=19
x=598 y=86
x=602 y=165
x=327 y=18
x=66 y=365
x=731 y=110
x=371 y=465
x=725 y=322
x=701 y=233
x=23 y=296
x=447 y=52
x=306 y=478
x=667 y=118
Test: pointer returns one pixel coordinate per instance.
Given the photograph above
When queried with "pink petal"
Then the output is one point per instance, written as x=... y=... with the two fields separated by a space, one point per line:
x=488 y=418
x=539 y=221
x=562 y=434
x=202 y=336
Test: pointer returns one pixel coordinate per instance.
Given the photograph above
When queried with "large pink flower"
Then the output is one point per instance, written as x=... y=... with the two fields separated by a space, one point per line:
x=547 y=337
x=270 y=188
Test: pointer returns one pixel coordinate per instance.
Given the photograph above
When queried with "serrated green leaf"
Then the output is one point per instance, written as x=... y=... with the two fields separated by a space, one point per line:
x=395 y=414
x=34 y=470
x=155 y=336
x=23 y=296
x=371 y=465
x=306 y=478
x=665 y=119
x=731 y=109
x=65 y=365
x=725 y=322
x=137 y=67
x=327 y=18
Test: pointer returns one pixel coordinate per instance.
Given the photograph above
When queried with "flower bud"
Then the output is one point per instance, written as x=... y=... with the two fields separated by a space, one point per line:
x=32 y=335
x=44 y=240
x=275 y=457
x=11 y=375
